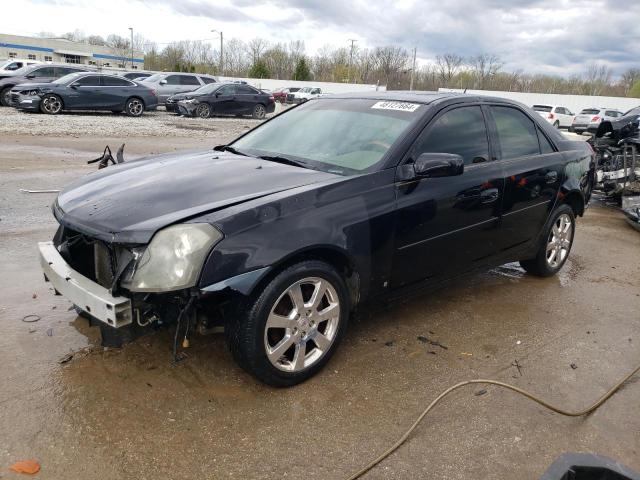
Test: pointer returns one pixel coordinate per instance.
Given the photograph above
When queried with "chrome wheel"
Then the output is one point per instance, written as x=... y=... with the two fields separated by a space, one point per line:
x=259 y=111
x=203 y=110
x=302 y=325
x=52 y=104
x=559 y=241
x=135 y=107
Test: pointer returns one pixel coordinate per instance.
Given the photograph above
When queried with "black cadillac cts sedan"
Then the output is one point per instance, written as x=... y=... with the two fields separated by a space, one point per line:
x=280 y=234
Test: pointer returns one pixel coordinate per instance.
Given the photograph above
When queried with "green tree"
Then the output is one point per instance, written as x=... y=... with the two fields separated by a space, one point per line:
x=259 y=70
x=635 y=90
x=302 y=71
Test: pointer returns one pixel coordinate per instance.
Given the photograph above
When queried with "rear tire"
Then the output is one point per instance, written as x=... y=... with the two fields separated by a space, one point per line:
x=288 y=331
x=134 y=107
x=5 y=97
x=554 y=245
x=259 y=111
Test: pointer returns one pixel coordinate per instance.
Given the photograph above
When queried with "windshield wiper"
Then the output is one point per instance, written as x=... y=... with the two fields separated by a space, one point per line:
x=285 y=160
x=229 y=148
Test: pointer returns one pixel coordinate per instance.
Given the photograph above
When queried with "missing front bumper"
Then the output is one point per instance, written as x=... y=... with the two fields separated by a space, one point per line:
x=91 y=297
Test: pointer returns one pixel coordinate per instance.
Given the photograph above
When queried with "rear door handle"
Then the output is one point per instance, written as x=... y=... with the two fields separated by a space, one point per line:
x=551 y=177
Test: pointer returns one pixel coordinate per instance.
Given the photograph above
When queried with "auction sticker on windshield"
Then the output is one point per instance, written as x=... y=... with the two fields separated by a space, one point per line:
x=402 y=106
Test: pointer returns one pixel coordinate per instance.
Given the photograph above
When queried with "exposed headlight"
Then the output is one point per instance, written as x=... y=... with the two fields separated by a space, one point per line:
x=174 y=258
x=190 y=100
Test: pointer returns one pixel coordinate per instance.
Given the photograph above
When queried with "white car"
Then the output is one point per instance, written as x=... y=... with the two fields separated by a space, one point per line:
x=559 y=117
x=9 y=66
x=307 y=93
x=590 y=118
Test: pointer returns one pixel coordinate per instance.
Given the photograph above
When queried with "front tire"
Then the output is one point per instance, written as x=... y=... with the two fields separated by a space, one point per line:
x=203 y=110
x=555 y=244
x=134 y=107
x=259 y=111
x=51 y=104
x=290 y=331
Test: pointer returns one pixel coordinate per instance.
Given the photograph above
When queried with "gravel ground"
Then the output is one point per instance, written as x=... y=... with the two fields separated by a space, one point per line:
x=15 y=122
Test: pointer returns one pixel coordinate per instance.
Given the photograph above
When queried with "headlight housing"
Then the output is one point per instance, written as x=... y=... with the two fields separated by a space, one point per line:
x=174 y=258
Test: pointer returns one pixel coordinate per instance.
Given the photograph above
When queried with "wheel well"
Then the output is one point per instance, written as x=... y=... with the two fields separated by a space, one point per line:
x=137 y=98
x=334 y=257
x=576 y=202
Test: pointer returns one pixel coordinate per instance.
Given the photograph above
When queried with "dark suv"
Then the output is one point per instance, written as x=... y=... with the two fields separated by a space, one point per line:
x=279 y=235
x=44 y=73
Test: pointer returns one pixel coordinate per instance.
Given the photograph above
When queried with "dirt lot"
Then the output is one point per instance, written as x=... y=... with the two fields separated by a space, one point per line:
x=130 y=414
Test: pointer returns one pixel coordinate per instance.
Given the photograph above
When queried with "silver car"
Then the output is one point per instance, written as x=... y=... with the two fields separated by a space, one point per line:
x=590 y=118
x=170 y=83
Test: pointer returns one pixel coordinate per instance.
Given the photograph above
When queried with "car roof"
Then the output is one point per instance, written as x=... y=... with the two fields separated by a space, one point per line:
x=424 y=97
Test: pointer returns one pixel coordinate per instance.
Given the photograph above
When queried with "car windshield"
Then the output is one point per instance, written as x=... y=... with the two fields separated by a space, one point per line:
x=305 y=90
x=542 y=108
x=154 y=78
x=633 y=111
x=344 y=136
x=590 y=111
x=67 y=78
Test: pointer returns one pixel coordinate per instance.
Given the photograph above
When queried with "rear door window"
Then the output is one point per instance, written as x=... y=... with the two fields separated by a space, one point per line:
x=460 y=131
x=115 y=82
x=545 y=144
x=516 y=133
x=189 y=80
x=207 y=80
x=245 y=90
x=227 y=90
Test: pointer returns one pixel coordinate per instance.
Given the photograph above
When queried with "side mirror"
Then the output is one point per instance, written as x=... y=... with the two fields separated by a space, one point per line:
x=163 y=82
x=30 y=77
x=74 y=86
x=438 y=165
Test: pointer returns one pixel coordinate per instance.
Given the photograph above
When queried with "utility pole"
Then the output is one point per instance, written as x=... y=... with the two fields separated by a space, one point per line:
x=353 y=41
x=413 y=68
x=221 y=53
x=131 y=28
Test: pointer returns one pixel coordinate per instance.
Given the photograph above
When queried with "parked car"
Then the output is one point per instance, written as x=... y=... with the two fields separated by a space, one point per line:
x=280 y=234
x=225 y=99
x=559 y=117
x=305 y=94
x=167 y=84
x=590 y=118
x=13 y=64
x=85 y=91
x=43 y=73
x=280 y=94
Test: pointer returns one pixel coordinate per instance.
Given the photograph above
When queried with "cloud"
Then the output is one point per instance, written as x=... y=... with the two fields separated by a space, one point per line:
x=537 y=36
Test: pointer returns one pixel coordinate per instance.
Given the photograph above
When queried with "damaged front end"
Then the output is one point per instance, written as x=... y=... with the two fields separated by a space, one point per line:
x=126 y=289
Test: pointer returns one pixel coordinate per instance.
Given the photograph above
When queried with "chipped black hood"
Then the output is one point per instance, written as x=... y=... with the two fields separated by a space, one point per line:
x=128 y=203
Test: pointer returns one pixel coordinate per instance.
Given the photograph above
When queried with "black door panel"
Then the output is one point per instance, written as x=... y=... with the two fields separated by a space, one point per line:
x=449 y=224
x=532 y=179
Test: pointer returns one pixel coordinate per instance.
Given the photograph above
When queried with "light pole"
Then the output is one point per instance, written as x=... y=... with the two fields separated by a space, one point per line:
x=350 y=59
x=413 y=68
x=131 y=28
x=221 y=55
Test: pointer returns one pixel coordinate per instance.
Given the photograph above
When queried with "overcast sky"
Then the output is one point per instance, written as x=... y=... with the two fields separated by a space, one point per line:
x=539 y=36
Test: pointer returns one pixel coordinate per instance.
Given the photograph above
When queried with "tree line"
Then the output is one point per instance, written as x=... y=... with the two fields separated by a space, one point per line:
x=387 y=65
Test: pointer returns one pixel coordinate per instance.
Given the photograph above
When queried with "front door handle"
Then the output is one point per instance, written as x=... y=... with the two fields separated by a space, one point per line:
x=551 y=177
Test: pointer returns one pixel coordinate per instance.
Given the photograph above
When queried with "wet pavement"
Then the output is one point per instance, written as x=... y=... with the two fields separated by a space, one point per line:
x=130 y=414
